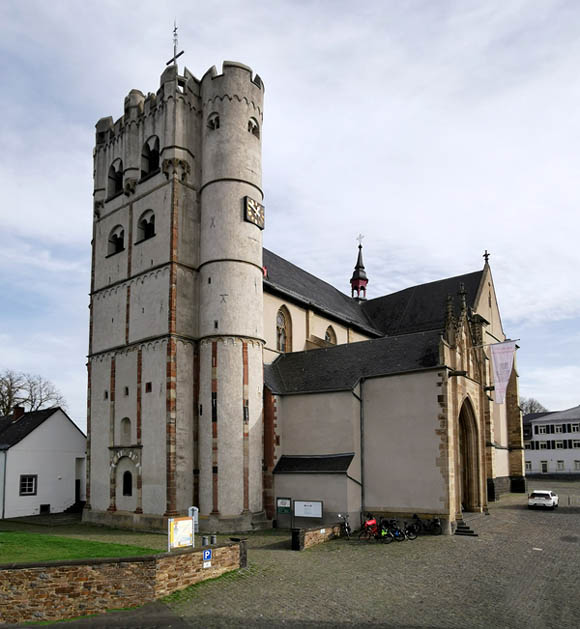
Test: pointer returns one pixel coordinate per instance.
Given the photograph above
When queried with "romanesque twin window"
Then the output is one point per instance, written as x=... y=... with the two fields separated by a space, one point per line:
x=150 y=157
x=115 y=180
x=116 y=242
x=146 y=226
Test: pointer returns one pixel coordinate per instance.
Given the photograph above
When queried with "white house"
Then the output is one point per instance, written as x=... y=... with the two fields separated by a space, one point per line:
x=552 y=442
x=42 y=462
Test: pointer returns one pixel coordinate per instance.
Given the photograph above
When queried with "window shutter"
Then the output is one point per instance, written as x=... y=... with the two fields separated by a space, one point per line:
x=568 y=428
x=551 y=429
x=552 y=445
x=535 y=430
x=565 y=443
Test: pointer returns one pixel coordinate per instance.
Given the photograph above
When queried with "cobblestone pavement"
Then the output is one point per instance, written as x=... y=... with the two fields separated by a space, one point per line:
x=523 y=571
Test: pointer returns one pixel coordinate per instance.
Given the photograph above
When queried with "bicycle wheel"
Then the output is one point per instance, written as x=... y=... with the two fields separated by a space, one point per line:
x=437 y=529
x=365 y=535
x=411 y=533
x=399 y=535
x=387 y=537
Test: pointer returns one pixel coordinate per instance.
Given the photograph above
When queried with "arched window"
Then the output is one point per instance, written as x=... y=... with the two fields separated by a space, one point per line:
x=125 y=431
x=150 y=157
x=146 y=226
x=127 y=484
x=115 y=183
x=283 y=330
x=116 y=240
x=254 y=127
x=213 y=121
x=330 y=335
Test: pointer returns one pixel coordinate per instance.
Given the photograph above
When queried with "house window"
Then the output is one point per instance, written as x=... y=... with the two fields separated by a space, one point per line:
x=528 y=446
x=575 y=428
x=115 y=182
x=213 y=121
x=559 y=444
x=576 y=443
x=147 y=387
x=542 y=430
x=146 y=226
x=150 y=157
x=543 y=445
x=254 y=127
x=544 y=467
x=283 y=330
x=127 y=484
x=28 y=484
x=528 y=466
x=330 y=336
x=558 y=428
x=577 y=466
x=560 y=466
x=116 y=242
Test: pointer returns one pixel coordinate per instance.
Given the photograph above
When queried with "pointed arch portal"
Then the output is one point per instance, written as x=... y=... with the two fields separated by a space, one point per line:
x=468 y=460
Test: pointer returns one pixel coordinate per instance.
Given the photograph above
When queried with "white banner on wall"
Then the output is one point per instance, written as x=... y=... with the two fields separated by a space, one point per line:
x=502 y=359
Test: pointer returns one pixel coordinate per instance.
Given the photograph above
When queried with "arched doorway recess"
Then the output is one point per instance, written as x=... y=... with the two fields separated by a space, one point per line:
x=468 y=460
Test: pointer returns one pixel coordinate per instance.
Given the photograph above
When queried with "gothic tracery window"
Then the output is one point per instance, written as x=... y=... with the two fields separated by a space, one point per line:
x=283 y=330
x=213 y=121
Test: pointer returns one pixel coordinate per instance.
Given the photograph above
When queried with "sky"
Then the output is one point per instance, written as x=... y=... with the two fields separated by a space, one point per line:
x=435 y=129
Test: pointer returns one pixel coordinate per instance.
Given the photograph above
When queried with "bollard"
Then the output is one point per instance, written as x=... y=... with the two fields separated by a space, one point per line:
x=204 y=540
x=213 y=540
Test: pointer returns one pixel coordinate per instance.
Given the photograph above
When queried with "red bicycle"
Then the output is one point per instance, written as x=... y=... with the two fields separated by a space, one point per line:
x=370 y=529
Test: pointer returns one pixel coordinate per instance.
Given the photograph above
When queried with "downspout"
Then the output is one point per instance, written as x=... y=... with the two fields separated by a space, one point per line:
x=362 y=446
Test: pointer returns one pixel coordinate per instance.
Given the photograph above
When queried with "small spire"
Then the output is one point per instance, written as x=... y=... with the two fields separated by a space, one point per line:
x=462 y=295
x=359 y=279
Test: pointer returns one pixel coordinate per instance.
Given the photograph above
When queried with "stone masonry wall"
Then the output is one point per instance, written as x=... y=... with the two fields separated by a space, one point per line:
x=57 y=590
x=305 y=538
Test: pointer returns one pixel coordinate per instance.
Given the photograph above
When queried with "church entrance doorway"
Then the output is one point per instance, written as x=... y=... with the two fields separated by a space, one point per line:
x=468 y=460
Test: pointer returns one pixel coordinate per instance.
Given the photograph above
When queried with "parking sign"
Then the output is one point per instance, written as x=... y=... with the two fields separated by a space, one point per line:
x=207 y=555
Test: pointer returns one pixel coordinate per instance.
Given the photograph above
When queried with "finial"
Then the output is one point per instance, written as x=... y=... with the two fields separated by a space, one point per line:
x=360 y=239
x=486 y=256
x=176 y=54
x=462 y=295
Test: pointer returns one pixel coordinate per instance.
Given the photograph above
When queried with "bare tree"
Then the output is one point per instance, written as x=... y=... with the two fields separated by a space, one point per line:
x=28 y=390
x=531 y=405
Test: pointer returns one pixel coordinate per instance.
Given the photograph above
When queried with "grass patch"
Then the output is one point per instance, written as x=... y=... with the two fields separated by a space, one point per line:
x=28 y=547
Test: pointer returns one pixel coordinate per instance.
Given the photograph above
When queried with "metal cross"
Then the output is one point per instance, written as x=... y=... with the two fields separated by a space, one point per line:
x=486 y=256
x=176 y=54
x=360 y=239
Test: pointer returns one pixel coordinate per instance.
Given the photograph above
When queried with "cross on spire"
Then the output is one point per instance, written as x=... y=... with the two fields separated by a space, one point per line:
x=360 y=239
x=176 y=54
x=486 y=256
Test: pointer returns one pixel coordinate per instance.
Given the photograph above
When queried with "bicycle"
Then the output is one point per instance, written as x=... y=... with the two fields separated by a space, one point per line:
x=370 y=530
x=344 y=525
x=433 y=525
x=392 y=527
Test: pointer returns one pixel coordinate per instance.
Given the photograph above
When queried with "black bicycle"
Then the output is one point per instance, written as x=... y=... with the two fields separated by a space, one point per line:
x=432 y=525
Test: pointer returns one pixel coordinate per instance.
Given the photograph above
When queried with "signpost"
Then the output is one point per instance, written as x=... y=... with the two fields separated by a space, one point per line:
x=207 y=554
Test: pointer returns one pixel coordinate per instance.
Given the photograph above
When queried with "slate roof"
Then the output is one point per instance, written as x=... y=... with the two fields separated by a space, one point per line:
x=292 y=281
x=11 y=432
x=339 y=368
x=309 y=464
x=570 y=414
x=421 y=307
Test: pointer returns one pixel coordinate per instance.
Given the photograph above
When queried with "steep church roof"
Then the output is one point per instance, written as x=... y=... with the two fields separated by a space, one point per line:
x=421 y=307
x=299 y=285
x=339 y=368
x=12 y=431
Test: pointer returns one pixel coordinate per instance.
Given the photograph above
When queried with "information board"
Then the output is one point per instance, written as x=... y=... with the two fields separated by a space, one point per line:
x=283 y=505
x=308 y=508
x=180 y=533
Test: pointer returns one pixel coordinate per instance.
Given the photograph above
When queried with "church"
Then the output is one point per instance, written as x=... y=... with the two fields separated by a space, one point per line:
x=223 y=376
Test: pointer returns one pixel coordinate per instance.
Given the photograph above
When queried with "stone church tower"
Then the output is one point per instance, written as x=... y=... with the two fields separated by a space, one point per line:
x=176 y=315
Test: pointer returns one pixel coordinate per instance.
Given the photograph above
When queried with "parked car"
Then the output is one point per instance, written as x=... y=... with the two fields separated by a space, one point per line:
x=543 y=498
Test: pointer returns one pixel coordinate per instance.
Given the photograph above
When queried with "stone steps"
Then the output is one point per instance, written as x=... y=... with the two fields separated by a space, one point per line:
x=464 y=529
